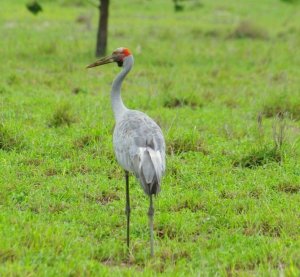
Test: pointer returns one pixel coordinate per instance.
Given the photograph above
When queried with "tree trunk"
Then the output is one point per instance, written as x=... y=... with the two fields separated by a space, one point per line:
x=102 y=28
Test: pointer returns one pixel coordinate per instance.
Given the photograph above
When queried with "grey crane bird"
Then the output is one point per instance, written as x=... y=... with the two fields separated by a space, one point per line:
x=138 y=141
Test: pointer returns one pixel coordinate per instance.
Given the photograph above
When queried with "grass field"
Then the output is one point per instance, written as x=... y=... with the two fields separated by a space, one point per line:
x=222 y=80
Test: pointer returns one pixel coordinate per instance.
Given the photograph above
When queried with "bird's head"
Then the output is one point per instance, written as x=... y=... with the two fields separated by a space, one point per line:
x=118 y=56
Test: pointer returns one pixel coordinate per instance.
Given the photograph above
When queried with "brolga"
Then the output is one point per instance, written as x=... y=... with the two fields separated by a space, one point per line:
x=138 y=141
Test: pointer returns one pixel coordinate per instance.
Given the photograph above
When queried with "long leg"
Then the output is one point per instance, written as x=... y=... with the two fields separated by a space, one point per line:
x=127 y=209
x=151 y=214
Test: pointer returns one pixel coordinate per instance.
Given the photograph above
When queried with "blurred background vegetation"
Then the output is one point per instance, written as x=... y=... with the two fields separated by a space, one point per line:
x=222 y=80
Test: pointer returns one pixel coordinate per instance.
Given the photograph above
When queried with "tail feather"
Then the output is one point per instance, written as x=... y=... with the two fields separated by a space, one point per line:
x=150 y=170
x=157 y=163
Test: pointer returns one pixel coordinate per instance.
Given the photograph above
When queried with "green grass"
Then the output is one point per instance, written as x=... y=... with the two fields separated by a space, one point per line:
x=229 y=204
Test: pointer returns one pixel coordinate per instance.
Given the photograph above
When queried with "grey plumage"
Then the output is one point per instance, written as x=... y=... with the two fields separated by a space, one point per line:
x=140 y=148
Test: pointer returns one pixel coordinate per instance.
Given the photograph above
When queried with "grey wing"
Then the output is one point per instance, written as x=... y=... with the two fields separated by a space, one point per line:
x=140 y=148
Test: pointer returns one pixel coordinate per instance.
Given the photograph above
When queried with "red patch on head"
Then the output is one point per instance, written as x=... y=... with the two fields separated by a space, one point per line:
x=126 y=52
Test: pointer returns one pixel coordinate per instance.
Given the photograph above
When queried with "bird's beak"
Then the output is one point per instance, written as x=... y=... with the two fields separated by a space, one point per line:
x=105 y=60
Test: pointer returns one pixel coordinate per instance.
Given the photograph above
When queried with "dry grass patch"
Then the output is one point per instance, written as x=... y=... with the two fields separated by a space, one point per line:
x=279 y=106
x=288 y=187
x=104 y=198
x=62 y=116
x=260 y=157
x=86 y=140
x=247 y=29
x=178 y=102
x=185 y=143
x=8 y=255
x=9 y=140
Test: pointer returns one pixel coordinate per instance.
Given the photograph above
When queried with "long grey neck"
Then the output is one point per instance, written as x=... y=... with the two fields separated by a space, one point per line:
x=116 y=100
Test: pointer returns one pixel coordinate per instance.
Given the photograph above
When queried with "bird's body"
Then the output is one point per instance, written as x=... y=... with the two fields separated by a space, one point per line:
x=138 y=141
x=140 y=148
